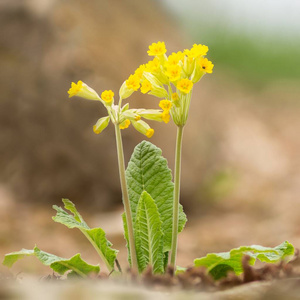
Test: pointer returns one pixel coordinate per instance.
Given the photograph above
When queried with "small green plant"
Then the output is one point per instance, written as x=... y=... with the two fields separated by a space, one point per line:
x=153 y=215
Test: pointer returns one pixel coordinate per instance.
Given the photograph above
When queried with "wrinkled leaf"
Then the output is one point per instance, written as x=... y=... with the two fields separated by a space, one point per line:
x=218 y=264
x=96 y=236
x=148 y=171
x=58 y=264
x=149 y=236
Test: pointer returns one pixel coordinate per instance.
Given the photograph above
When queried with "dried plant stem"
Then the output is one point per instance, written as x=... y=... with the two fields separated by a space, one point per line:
x=176 y=194
x=126 y=199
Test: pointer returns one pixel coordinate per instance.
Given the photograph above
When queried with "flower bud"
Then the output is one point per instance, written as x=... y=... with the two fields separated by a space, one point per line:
x=143 y=128
x=125 y=124
x=188 y=65
x=152 y=79
x=197 y=73
x=124 y=91
x=130 y=114
x=157 y=89
x=125 y=107
x=101 y=124
x=151 y=114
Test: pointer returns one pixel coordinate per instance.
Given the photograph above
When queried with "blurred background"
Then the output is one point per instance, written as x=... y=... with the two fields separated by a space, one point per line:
x=241 y=162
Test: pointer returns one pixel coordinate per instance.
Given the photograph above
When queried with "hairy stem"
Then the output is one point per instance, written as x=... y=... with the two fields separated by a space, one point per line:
x=176 y=194
x=126 y=198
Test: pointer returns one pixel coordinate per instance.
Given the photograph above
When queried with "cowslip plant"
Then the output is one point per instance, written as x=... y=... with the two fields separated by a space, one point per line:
x=153 y=215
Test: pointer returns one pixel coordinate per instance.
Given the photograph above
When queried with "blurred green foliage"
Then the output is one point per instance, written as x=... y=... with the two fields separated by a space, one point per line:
x=254 y=59
x=218 y=185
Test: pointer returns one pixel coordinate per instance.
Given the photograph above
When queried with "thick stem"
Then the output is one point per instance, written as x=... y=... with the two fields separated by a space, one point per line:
x=126 y=199
x=176 y=194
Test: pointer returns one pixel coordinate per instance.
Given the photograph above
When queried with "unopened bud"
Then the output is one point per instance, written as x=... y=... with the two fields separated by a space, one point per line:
x=143 y=128
x=101 y=124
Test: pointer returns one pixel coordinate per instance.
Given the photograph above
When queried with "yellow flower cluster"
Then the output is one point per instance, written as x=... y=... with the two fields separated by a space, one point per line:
x=156 y=49
x=171 y=77
x=168 y=77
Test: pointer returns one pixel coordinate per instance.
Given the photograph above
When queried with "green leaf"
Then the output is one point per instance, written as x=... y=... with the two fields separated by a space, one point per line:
x=148 y=235
x=148 y=171
x=218 y=264
x=58 y=264
x=12 y=257
x=96 y=236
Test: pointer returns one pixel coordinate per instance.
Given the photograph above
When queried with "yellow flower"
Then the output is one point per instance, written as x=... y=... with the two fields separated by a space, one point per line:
x=133 y=82
x=129 y=86
x=157 y=49
x=149 y=133
x=152 y=66
x=146 y=86
x=75 y=88
x=184 y=85
x=82 y=90
x=139 y=71
x=199 y=50
x=174 y=58
x=107 y=96
x=125 y=124
x=206 y=65
x=165 y=116
x=196 y=51
x=173 y=72
x=165 y=105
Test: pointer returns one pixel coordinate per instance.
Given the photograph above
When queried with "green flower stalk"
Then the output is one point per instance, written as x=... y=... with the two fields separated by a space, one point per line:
x=126 y=198
x=176 y=199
